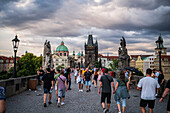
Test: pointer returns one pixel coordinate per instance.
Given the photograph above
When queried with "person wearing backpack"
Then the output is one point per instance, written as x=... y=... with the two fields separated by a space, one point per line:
x=62 y=88
x=121 y=91
x=87 y=79
x=105 y=82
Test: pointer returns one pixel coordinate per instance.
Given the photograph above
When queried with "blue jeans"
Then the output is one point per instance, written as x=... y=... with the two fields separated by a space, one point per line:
x=88 y=83
x=61 y=93
x=123 y=102
x=2 y=93
x=47 y=90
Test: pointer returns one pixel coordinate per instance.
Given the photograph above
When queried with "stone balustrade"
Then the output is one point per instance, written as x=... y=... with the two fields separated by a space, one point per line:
x=14 y=86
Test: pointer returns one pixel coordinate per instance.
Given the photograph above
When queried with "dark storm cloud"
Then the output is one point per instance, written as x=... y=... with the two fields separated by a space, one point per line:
x=19 y=16
x=3 y=3
x=143 y=4
x=164 y=25
x=139 y=21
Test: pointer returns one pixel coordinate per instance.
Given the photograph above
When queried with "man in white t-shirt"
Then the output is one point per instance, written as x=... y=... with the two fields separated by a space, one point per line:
x=147 y=86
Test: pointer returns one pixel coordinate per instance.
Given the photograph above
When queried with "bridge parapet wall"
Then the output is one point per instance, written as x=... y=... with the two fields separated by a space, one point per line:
x=14 y=86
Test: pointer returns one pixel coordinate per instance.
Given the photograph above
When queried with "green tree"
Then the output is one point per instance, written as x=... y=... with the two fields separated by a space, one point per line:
x=60 y=66
x=22 y=73
x=38 y=62
x=28 y=64
x=114 y=65
x=96 y=64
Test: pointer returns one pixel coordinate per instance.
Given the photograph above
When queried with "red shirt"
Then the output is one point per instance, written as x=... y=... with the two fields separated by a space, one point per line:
x=111 y=74
x=103 y=70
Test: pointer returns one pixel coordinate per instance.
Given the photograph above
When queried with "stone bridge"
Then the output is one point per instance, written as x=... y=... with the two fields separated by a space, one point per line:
x=31 y=101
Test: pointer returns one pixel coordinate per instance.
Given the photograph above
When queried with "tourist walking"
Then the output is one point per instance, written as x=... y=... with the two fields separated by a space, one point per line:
x=40 y=74
x=99 y=74
x=62 y=88
x=126 y=74
x=56 y=77
x=76 y=71
x=105 y=82
x=47 y=82
x=161 y=83
x=67 y=74
x=52 y=74
x=87 y=79
x=167 y=89
x=156 y=75
x=80 y=81
x=69 y=78
x=121 y=91
x=95 y=78
x=147 y=86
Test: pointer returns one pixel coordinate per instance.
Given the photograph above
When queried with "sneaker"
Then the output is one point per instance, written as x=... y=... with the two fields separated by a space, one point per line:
x=45 y=105
x=69 y=88
x=89 y=90
x=119 y=112
x=81 y=90
x=58 y=104
x=107 y=111
x=156 y=95
x=49 y=102
x=62 y=103
x=104 y=110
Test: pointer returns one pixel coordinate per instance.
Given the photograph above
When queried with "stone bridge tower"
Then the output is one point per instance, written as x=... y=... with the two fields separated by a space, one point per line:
x=91 y=52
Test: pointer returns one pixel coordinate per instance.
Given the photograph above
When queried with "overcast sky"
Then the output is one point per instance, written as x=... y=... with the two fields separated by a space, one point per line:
x=139 y=21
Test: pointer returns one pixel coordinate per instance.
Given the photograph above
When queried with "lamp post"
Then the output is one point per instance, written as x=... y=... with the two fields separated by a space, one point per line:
x=15 y=46
x=159 y=44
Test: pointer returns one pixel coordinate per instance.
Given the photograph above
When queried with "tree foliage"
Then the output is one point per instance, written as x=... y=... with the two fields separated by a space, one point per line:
x=28 y=64
x=114 y=65
x=97 y=64
x=60 y=67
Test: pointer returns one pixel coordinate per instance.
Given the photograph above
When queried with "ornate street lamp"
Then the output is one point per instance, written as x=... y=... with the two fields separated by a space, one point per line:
x=15 y=46
x=159 y=44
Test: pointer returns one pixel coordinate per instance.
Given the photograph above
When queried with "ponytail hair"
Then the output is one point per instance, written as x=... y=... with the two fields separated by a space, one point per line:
x=122 y=75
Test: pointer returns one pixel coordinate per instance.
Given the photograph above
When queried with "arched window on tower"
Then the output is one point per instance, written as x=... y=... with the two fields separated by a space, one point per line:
x=64 y=54
x=60 y=54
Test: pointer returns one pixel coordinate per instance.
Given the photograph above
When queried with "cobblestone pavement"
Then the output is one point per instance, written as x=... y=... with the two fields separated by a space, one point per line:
x=75 y=102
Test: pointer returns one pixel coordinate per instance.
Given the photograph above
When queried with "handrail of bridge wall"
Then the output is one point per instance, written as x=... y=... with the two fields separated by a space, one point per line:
x=14 y=86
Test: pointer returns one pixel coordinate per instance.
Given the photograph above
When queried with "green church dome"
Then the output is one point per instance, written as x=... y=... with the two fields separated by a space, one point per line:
x=62 y=47
x=79 y=54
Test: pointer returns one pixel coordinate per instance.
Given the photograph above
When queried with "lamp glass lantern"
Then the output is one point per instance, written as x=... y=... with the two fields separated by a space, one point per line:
x=159 y=43
x=15 y=43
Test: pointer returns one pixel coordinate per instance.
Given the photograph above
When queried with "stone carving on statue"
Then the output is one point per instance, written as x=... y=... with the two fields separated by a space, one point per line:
x=123 y=57
x=47 y=56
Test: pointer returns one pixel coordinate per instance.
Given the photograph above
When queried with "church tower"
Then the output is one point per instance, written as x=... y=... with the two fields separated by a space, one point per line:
x=91 y=52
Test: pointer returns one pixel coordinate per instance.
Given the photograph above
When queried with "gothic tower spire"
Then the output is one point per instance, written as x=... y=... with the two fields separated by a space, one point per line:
x=90 y=40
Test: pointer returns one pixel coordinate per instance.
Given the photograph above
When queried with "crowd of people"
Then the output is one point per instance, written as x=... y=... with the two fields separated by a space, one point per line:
x=151 y=86
x=60 y=80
